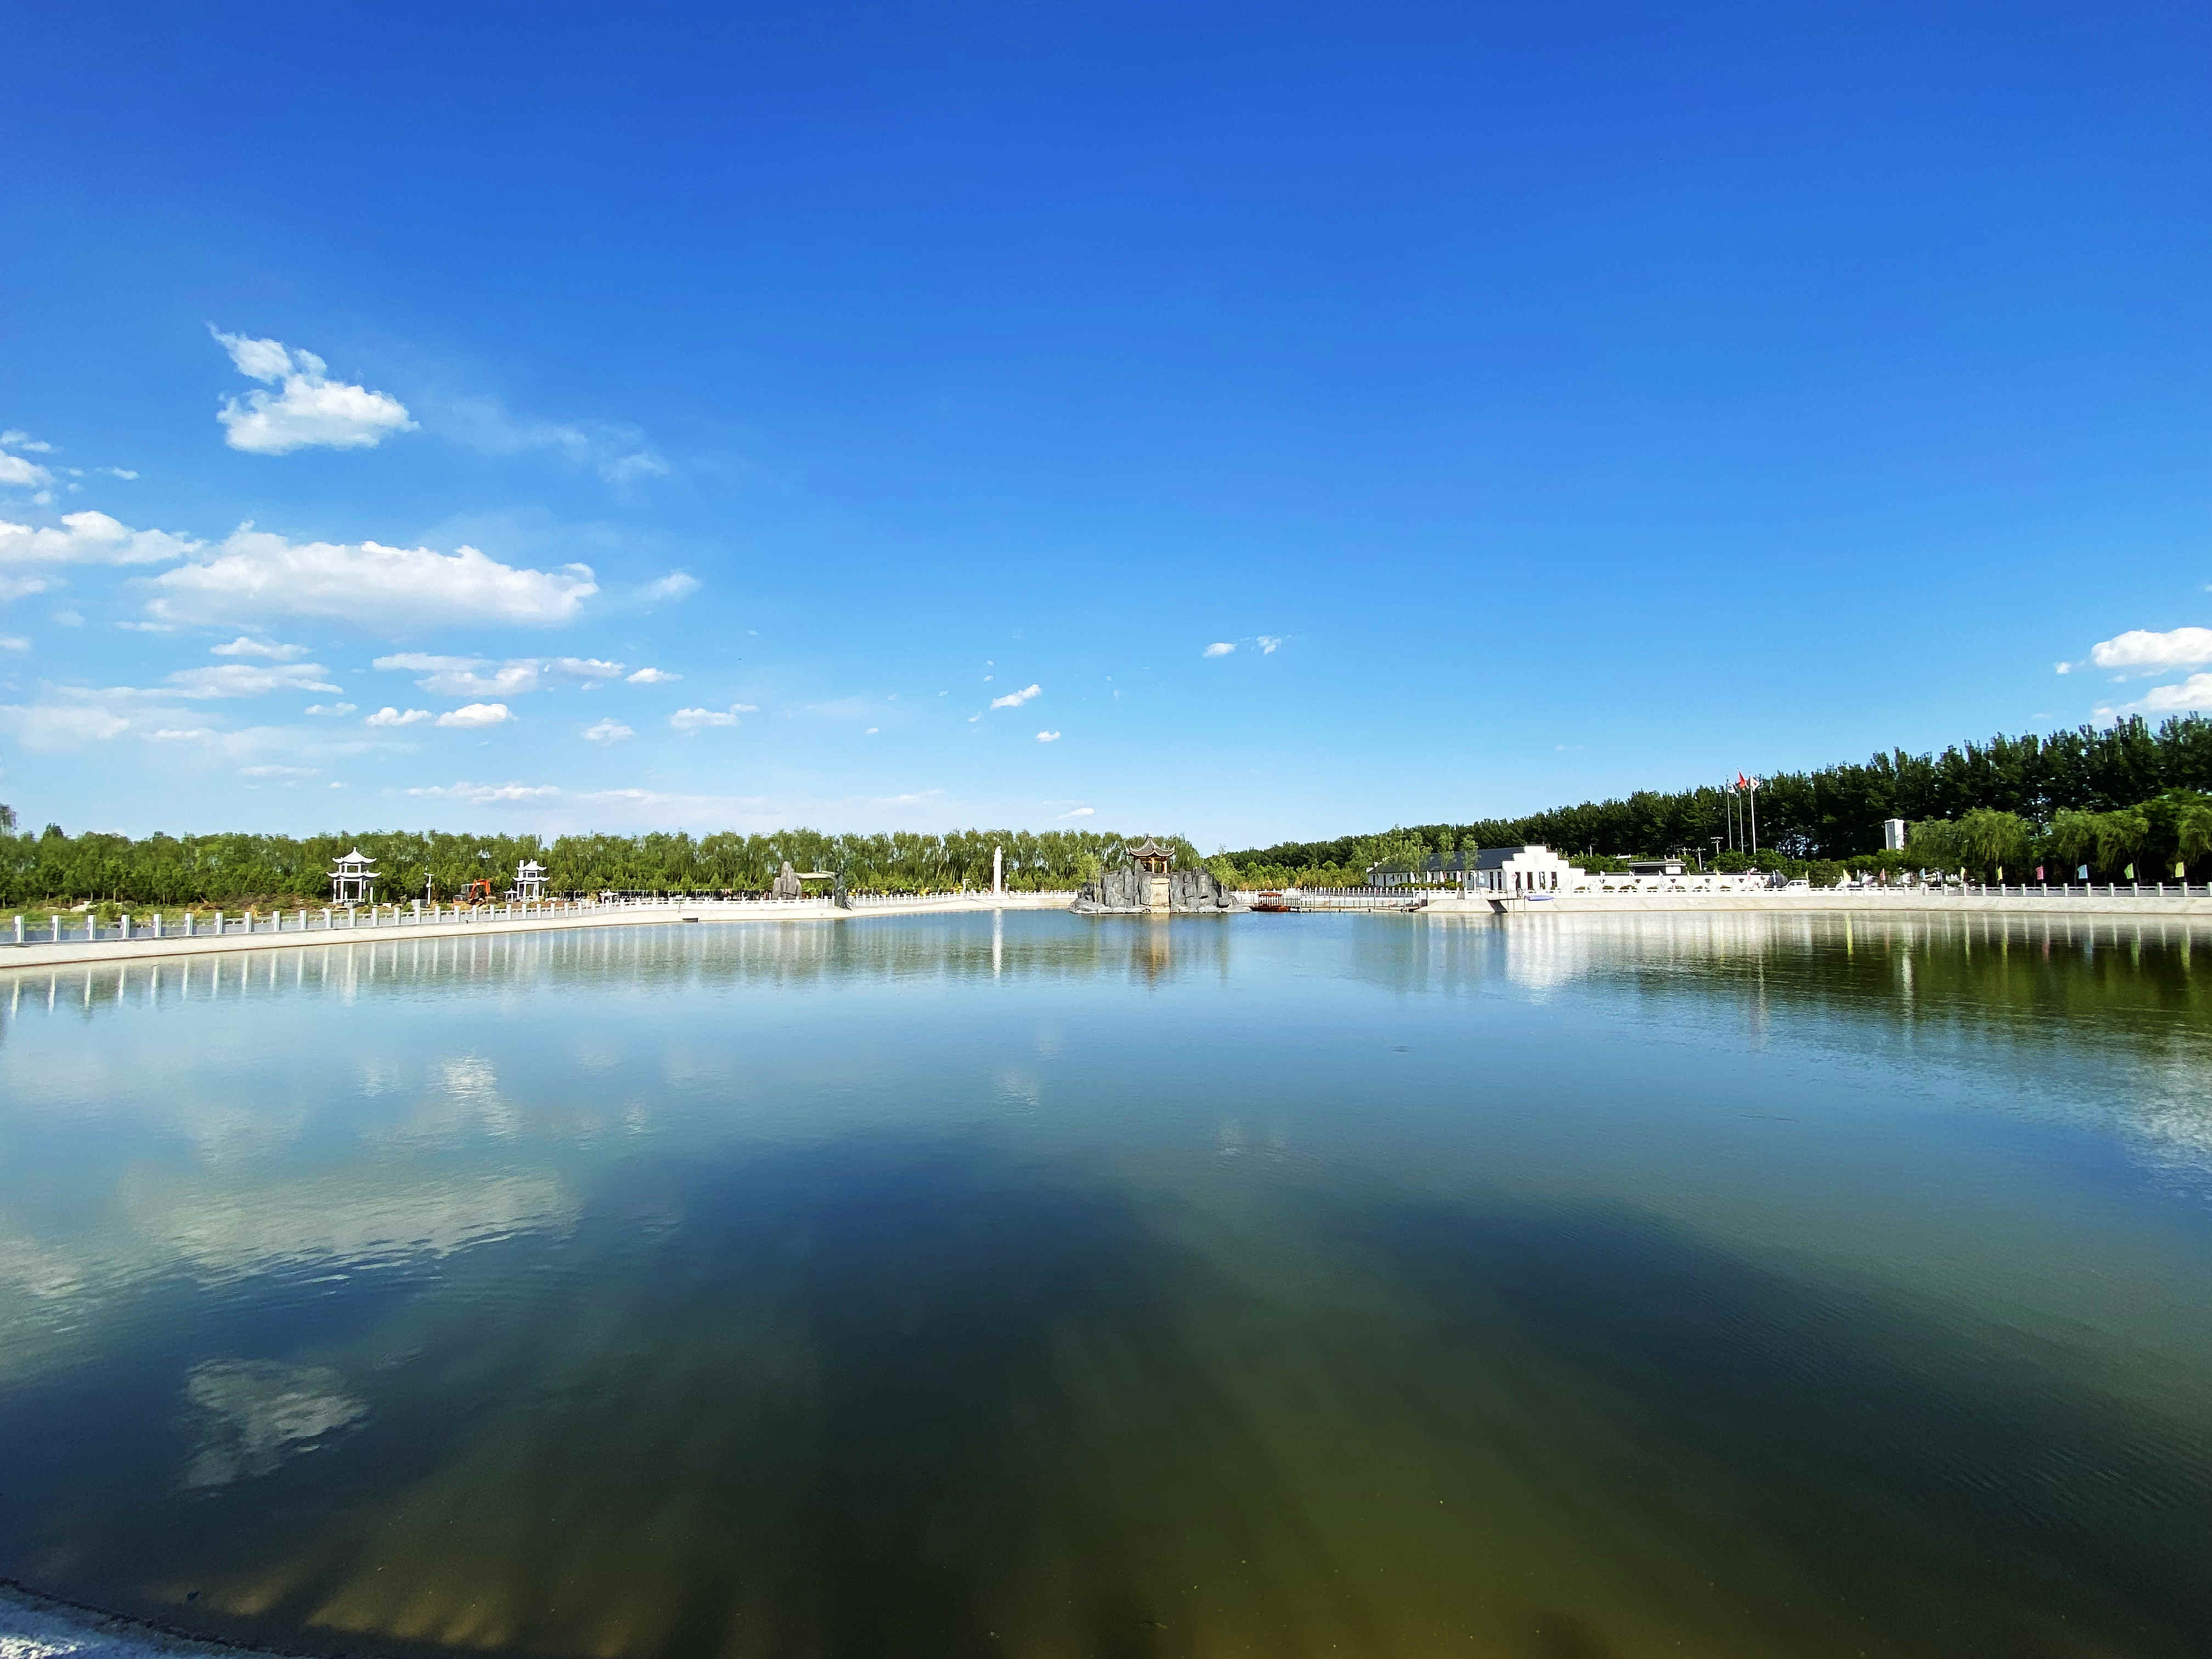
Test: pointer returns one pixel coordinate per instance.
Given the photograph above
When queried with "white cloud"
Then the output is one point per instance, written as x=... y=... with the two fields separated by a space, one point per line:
x=487 y=795
x=21 y=587
x=275 y=771
x=1080 y=812
x=69 y=618
x=676 y=585
x=90 y=538
x=508 y=679
x=237 y=679
x=1047 y=737
x=243 y=646
x=255 y=573
x=590 y=668
x=871 y=731
x=309 y=410
x=607 y=730
x=13 y=439
x=693 y=719
x=2195 y=692
x=457 y=677
x=49 y=728
x=471 y=716
x=174 y=734
x=339 y=710
x=653 y=676
x=2142 y=651
x=421 y=662
x=1218 y=648
x=1270 y=643
x=1016 y=699
x=744 y=708
x=15 y=642
x=16 y=473
x=390 y=716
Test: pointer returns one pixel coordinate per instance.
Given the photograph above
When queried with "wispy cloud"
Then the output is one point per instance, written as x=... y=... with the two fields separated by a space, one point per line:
x=243 y=646
x=1016 y=699
x=607 y=730
x=1047 y=737
x=618 y=453
x=489 y=794
x=695 y=720
x=676 y=585
x=1270 y=643
x=308 y=411
x=388 y=715
x=653 y=676
x=238 y=679
x=336 y=709
x=1080 y=812
x=471 y=716
x=1218 y=648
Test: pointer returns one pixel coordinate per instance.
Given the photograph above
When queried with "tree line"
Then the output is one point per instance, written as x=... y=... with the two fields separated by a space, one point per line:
x=2109 y=798
x=216 y=869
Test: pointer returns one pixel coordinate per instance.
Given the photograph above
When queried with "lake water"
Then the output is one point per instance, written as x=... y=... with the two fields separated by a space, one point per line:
x=1562 y=1287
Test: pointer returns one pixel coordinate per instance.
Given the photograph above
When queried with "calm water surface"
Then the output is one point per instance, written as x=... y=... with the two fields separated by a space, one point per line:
x=1289 y=1285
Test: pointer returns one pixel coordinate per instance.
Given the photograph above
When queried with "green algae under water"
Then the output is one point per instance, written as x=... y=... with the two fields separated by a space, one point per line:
x=1028 y=1284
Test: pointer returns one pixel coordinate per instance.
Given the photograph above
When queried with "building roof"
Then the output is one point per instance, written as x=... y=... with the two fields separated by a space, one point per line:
x=529 y=865
x=1495 y=858
x=356 y=857
x=1151 y=849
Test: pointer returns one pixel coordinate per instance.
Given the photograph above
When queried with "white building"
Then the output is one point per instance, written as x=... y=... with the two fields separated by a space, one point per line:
x=529 y=881
x=1534 y=869
x=1892 y=834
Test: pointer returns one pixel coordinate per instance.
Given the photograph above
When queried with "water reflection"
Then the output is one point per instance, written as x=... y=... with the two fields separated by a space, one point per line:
x=1544 y=1286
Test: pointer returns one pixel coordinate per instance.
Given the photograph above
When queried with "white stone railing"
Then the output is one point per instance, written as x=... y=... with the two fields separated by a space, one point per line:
x=84 y=927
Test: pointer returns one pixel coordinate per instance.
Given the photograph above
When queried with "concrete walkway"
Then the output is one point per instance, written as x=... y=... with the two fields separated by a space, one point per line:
x=69 y=952
x=1890 y=902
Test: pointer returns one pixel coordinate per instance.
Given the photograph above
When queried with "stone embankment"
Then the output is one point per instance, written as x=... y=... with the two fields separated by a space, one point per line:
x=500 y=919
x=1892 y=902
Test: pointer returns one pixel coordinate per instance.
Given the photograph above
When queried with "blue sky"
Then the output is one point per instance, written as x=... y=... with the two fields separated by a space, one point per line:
x=882 y=418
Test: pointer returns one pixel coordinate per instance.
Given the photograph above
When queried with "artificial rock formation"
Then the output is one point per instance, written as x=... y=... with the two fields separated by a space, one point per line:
x=1128 y=889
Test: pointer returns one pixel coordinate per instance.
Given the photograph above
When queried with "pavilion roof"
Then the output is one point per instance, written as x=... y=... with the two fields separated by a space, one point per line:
x=1150 y=849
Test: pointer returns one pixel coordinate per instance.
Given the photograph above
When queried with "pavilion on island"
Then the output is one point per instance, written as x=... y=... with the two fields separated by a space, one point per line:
x=353 y=879
x=1151 y=857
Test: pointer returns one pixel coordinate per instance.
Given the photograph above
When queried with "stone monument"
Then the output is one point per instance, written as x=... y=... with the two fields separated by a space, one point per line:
x=787 y=885
x=1145 y=882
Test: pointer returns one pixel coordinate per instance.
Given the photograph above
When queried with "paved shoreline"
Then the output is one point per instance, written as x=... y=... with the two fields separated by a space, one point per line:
x=2147 y=907
x=50 y=954
x=1876 y=902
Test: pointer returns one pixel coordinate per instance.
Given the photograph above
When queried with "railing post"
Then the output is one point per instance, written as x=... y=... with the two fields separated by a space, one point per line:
x=19 y=930
x=218 y=924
